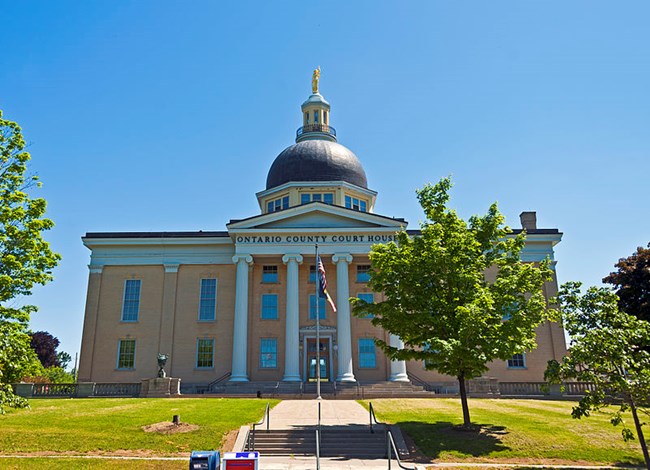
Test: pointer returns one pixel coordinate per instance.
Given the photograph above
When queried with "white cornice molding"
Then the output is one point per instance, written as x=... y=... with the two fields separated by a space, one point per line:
x=342 y=257
x=292 y=256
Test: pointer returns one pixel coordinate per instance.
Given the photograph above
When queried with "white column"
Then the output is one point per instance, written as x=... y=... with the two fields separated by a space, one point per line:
x=343 y=330
x=397 y=368
x=292 y=327
x=240 y=329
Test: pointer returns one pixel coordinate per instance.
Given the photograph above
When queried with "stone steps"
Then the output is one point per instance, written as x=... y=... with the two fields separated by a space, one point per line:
x=335 y=442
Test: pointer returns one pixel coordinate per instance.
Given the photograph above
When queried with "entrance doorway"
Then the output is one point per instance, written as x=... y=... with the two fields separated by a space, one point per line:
x=311 y=359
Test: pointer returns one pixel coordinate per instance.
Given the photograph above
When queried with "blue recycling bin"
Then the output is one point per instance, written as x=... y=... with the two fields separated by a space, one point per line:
x=205 y=460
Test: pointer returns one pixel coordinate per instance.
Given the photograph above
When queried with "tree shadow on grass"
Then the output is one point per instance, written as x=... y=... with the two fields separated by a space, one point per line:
x=434 y=438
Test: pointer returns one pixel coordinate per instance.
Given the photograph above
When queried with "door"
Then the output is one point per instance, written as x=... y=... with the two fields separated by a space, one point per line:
x=312 y=359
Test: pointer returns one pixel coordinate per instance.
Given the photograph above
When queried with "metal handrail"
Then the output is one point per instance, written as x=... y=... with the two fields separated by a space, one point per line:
x=390 y=444
x=319 y=427
x=371 y=410
x=251 y=434
x=421 y=382
x=219 y=379
x=317 y=449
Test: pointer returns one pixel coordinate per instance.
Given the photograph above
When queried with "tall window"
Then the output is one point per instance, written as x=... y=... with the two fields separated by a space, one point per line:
x=126 y=354
x=363 y=274
x=517 y=361
x=208 y=300
x=268 y=353
x=316 y=116
x=367 y=355
x=269 y=274
x=312 y=273
x=312 y=307
x=131 y=304
x=269 y=306
x=204 y=353
x=367 y=297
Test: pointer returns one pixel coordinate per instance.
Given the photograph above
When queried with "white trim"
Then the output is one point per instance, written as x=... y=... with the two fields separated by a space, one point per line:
x=316 y=184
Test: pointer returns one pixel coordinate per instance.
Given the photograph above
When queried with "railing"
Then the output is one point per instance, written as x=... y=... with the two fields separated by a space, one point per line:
x=578 y=388
x=523 y=388
x=218 y=380
x=371 y=411
x=250 y=445
x=55 y=390
x=324 y=128
x=318 y=448
x=418 y=381
x=390 y=446
x=116 y=390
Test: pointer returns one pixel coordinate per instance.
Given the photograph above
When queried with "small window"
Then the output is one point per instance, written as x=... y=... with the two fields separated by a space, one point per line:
x=131 y=304
x=348 y=202
x=517 y=361
x=368 y=297
x=362 y=206
x=316 y=117
x=312 y=307
x=363 y=273
x=355 y=204
x=328 y=198
x=268 y=353
x=277 y=204
x=306 y=118
x=269 y=206
x=269 y=306
x=285 y=202
x=316 y=197
x=204 y=353
x=305 y=198
x=312 y=274
x=367 y=355
x=208 y=300
x=269 y=274
x=126 y=354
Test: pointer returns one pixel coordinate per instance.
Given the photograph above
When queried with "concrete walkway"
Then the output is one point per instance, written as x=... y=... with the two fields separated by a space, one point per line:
x=290 y=414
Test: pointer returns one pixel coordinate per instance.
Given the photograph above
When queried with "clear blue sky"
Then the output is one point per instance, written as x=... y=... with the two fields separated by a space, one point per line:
x=160 y=115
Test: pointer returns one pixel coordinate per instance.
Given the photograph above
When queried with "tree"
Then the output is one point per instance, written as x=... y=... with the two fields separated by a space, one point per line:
x=608 y=348
x=632 y=281
x=438 y=298
x=25 y=258
x=44 y=344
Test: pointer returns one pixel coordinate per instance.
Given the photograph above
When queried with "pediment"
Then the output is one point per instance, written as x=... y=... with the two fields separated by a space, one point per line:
x=320 y=216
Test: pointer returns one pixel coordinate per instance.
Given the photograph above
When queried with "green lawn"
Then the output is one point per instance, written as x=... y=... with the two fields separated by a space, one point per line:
x=94 y=464
x=105 y=425
x=527 y=431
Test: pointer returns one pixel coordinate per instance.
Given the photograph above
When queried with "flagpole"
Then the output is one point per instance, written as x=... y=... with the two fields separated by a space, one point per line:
x=318 y=397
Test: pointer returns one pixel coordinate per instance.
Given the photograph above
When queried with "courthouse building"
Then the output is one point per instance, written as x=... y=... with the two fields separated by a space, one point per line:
x=243 y=301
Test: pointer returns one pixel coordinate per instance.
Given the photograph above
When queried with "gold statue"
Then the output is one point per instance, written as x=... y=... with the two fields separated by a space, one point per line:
x=314 y=80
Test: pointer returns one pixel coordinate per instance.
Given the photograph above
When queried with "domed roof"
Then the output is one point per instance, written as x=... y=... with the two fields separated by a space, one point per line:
x=316 y=160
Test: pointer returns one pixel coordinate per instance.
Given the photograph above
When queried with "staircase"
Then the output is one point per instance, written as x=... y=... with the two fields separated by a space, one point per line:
x=336 y=441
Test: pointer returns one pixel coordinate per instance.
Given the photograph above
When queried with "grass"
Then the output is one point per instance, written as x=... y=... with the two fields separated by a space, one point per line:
x=110 y=426
x=527 y=431
x=94 y=464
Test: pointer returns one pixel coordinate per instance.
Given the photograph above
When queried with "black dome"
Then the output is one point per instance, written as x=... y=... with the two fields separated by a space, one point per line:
x=316 y=160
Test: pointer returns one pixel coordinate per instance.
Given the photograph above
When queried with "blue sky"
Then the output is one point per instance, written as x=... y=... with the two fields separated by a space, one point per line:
x=160 y=115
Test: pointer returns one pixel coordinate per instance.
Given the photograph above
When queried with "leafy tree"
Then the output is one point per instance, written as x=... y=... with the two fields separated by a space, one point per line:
x=439 y=300
x=25 y=258
x=608 y=348
x=44 y=344
x=632 y=281
x=64 y=358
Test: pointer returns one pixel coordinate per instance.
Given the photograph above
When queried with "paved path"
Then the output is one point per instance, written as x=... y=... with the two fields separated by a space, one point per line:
x=299 y=413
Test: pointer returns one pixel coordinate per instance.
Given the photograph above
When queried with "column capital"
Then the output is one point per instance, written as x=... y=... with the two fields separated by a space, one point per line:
x=342 y=257
x=95 y=268
x=291 y=256
x=242 y=257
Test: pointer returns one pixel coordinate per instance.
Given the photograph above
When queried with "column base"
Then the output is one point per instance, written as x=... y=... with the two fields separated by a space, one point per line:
x=238 y=378
x=349 y=377
x=291 y=378
x=401 y=377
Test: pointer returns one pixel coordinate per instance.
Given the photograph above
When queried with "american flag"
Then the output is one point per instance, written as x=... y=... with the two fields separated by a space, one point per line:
x=322 y=284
